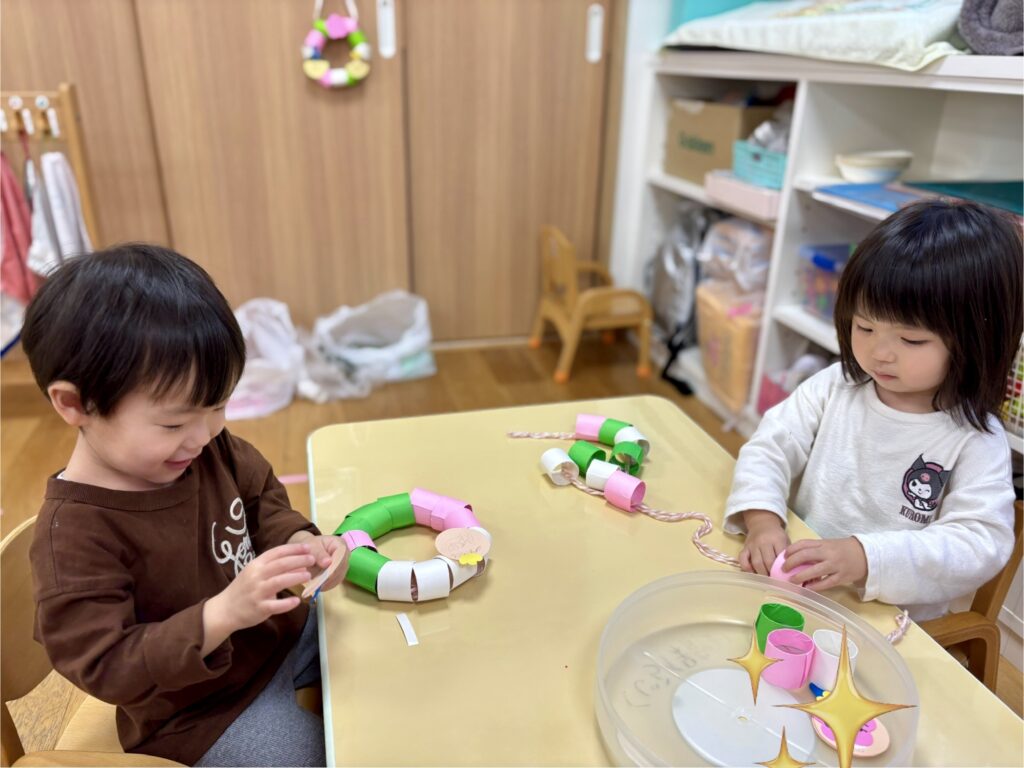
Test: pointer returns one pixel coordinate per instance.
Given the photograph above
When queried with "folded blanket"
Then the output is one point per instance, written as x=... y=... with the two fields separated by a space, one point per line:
x=993 y=27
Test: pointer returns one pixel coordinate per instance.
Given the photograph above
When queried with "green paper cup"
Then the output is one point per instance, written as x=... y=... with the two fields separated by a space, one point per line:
x=400 y=507
x=582 y=453
x=774 y=616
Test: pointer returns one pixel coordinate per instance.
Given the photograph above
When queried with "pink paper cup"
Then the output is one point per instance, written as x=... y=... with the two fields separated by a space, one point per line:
x=624 y=491
x=795 y=651
x=588 y=426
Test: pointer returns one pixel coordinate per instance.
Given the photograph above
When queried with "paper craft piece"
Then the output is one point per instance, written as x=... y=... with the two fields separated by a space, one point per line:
x=624 y=491
x=462 y=573
x=394 y=582
x=827 y=649
x=338 y=558
x=456 y=542
x=598 y=473
x=633 y=435
x=407 y=630
x=582 y=453
x=588 y=426
x=795 y=650
x=871 y=740
x=409 y=581
x=556 y=463
x=777 y=572
x=772 y=616
x=629 y=456
x=610 y=429
x=336 y=27
x=433 y=579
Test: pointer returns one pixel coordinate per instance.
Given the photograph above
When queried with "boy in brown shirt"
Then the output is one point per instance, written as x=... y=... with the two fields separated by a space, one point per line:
x=163 y=550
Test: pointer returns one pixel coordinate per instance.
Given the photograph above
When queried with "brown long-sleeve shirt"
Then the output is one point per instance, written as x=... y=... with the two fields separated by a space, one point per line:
x=120 y=579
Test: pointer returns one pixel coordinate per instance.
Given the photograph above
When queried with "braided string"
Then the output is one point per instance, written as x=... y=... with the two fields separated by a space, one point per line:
x=543 y=435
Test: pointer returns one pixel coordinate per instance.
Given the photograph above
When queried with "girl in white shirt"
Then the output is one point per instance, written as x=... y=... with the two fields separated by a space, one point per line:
x=893 y=455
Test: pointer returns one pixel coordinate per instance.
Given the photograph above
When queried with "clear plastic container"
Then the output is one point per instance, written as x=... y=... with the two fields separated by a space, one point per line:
x=690 y=624
x=819 y=276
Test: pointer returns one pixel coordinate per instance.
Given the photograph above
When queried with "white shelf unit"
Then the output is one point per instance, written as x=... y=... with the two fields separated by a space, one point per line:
x=961 y=117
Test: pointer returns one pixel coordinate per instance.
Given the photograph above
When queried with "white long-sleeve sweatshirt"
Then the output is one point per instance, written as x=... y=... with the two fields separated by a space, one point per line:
x=930 y=501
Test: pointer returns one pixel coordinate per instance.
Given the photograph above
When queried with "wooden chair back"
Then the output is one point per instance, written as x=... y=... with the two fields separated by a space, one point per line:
x=560 y=281
x=24 y=663
x=989 y=599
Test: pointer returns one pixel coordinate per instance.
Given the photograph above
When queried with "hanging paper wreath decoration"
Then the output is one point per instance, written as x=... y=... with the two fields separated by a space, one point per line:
x=405 y=580
x=316 y=67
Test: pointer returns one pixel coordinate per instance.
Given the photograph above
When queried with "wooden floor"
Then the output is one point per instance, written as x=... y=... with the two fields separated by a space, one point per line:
x=34 y=443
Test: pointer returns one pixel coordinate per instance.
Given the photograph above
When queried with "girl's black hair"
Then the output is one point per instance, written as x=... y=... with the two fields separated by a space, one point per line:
x=954 y=268
x=129 y=317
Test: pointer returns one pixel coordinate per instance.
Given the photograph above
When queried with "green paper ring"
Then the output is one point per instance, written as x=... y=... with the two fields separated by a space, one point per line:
x=633 y=454
x=363 y=567
x=606 y=434
x=582 y=453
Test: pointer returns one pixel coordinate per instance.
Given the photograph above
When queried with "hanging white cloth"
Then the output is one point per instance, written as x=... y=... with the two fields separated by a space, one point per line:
x=61 y=192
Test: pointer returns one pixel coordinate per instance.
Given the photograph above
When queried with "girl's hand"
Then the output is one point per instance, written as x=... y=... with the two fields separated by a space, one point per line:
x=833 y=563
x=765 y=539
x=253 y=595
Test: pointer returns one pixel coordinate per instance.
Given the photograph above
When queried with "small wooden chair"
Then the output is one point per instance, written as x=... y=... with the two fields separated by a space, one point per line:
x=976 y=630
x=90 y=736
x=572 y=311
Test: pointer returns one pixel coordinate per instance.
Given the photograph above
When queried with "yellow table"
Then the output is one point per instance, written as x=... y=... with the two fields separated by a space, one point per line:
x=504 y=672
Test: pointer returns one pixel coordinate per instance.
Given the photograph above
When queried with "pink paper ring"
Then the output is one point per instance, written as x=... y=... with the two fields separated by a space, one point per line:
x=624 y=491
x=795 y=651
x=355 y=539
x=460 y=518
x=588 y=426
x=449 y=508
x=316 y=40
x=423 y=502
x=777 y=572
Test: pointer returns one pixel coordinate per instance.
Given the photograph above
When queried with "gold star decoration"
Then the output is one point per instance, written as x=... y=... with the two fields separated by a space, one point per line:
x=784 y=759
x=754 y=662
x=844 y=710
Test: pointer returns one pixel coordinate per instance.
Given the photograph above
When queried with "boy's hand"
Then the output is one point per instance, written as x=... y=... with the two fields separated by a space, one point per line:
x=252 y=597
x=834 y=562
x=323 y=549
x=765 y=539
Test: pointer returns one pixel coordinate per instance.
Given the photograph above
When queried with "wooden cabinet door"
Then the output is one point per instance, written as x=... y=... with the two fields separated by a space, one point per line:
x=505 y=127
x=93 y=44
x=278 y=186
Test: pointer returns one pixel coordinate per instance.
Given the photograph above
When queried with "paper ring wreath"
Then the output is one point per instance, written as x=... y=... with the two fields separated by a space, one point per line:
x=405 y=580
x=316 y=67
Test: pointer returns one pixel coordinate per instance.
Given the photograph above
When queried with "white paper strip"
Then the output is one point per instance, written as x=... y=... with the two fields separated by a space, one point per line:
x=407 y=630
x=460 y=574
x=432 y=580
x=598 y=473
x=484 y=531
x=394 y=582
x=553 y=461
x=633 y=435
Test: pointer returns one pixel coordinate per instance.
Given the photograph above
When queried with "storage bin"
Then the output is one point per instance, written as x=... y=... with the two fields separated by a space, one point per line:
x=1012 y=411
x=819 y=276
x=700 y=135
x=758 y=165
x=741 y=197
x=727 y=327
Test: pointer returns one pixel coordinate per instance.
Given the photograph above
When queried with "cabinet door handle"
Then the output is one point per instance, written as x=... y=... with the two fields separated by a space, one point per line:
x=386 y=28
x=595 y=32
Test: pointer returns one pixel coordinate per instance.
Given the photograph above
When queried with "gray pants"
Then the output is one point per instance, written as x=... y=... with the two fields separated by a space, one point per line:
x=274 y=730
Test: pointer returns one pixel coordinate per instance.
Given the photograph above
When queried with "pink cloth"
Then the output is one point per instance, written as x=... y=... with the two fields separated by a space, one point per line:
x=16 y=279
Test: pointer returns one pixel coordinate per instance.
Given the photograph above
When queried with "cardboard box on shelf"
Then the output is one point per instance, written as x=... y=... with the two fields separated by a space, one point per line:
x=700 y=135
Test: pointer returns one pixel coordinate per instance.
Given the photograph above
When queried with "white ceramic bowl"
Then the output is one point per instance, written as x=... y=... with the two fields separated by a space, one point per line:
x=873 y=167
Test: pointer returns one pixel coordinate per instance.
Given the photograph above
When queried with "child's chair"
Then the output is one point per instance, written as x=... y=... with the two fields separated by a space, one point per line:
x=90 y=736
x=573 y=311
x=976 y=630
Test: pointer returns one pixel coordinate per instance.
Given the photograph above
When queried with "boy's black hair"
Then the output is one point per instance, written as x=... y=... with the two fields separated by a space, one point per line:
x=129 y=317
x=952 y=267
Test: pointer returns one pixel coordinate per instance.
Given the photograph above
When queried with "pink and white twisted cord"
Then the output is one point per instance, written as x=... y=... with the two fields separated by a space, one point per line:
x=671 y=517
x=543 y=435
x=902 y=625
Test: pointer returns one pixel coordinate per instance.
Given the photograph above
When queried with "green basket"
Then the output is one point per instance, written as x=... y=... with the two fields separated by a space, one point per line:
x=756 y=165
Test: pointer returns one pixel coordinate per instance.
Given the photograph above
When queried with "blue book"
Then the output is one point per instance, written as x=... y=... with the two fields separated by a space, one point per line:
x=881 y=196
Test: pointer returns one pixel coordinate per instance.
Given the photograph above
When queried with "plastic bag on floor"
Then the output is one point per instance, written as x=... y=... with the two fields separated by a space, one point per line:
x=274 y=360
x=386 y=339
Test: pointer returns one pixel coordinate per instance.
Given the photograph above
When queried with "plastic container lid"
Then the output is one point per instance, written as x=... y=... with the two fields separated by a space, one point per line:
x=666 y=693
x=830 y=258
